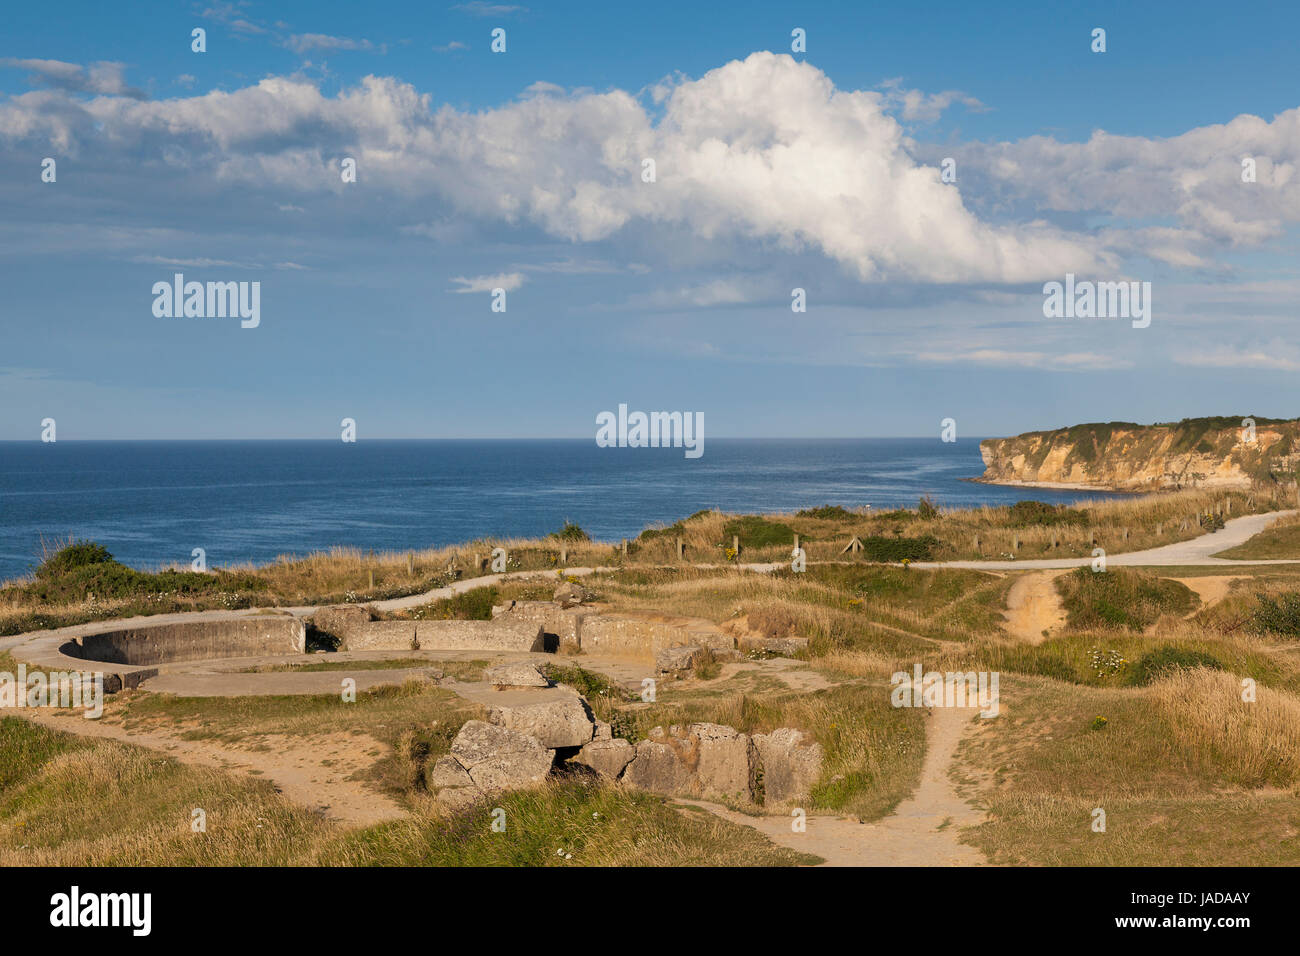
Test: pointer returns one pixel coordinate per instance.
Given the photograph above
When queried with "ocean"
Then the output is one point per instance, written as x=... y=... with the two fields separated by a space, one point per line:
x=152 y=502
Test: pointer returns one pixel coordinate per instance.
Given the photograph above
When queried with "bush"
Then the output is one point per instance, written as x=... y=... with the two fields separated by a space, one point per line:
x=1120 y=598
x=1155 y=664
x=472 y=605
x=571 y=532
x=1027 y=513
x=649 y=534
x=926 y=510
x=757 y=532
x=827 y=513
x=1211 y=521
x=74 y=555
x=880 y=548
x=1281 y=616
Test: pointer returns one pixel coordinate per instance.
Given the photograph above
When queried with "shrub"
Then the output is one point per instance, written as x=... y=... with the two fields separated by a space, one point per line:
x=926 y=510
x=649 y=534
x=1210 y=521
x=1157 y=663
x=74 y=555
x=472 y=605
x=827 y=513
x=1281 y=616
x=1026 y=513
x=1120 y=598
x=756 y=531
x=571 y=532
x=880 y=548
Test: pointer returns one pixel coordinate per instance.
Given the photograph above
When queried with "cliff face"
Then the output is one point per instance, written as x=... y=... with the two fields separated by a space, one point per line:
x=1193 y=453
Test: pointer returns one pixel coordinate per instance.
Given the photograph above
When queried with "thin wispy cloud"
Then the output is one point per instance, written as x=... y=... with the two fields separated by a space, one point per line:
x=480 y=8
x=508 y=281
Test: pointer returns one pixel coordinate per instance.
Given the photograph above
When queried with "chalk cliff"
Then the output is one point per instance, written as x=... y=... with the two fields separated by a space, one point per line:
x=1194 y=453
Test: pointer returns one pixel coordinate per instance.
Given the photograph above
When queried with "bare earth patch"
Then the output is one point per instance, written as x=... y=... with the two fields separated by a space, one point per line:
x=1034 y=606
x=311 y=770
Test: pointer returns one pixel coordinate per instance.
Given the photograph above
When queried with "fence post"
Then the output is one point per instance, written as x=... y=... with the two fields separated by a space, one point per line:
x=410 y=564
x=372 y=579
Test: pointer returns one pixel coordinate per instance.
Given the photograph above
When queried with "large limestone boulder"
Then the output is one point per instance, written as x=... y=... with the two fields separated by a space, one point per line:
x=657 y=767
x=609 y=758
x=792 y=763
x=569 y=594
x=499 y=758
x=445 y=772
x=726 y=763
x=516 y=674
x=338 y=620
x=677 y=661
x=451 y=782
x=562 y=721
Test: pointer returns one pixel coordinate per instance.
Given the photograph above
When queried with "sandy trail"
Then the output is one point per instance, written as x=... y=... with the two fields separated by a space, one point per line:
x=922 y=831
x=309 y=770
x=1210 y=589
x=1034 y=607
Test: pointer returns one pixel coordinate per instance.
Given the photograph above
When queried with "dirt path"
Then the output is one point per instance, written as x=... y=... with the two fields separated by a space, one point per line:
x=1034 y=607
x=311 y=771
x=922 y=831
x=1210 y=589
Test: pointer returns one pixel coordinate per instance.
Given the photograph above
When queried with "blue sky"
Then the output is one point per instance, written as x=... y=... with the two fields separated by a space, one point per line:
x=775 y=170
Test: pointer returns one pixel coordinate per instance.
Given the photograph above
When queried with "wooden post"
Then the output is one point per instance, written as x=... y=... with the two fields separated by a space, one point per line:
x=796 y=542
x=564 y=554
x=1056 y=542
x=372 y=579
x=735 y=544
x=1126 y=534
x=977 y=542
x=1160 y=527
x=478 y=564
x=625 y=547
x=410 y=564
x=1015 y=542
x=681 y=548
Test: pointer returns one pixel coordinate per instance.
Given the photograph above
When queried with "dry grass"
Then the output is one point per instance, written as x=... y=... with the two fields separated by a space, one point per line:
x=1254 y=744
x=101 y=803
